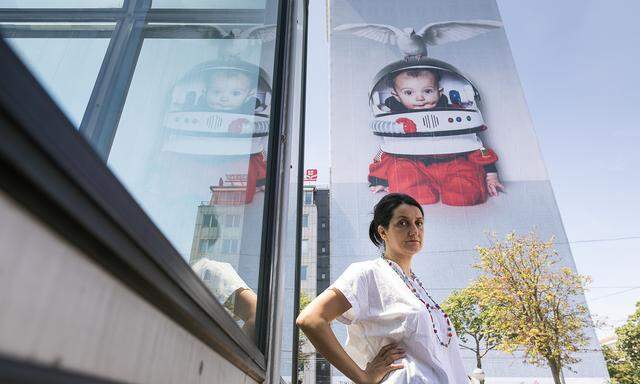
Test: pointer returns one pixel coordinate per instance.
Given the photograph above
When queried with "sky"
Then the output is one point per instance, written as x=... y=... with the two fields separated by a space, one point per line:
x=577 y=64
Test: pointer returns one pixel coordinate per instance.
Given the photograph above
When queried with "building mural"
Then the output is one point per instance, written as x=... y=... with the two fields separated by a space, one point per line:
x=429 y=91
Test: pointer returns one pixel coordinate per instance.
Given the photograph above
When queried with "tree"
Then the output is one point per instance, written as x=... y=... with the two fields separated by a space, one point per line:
x=534 y=299
x=472 y=322
x=623 y=358
x=303 y=358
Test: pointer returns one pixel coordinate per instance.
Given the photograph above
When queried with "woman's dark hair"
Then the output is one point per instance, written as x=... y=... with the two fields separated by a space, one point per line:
x=383 y=212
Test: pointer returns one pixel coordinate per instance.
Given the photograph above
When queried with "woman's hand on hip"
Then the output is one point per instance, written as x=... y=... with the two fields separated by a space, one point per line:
x=378 y=368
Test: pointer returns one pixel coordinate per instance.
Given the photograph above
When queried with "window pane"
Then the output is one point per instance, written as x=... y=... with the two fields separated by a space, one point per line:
x=208 y=4
x=67 y=67
x=308 y=197
x=191 y=147
x=61 y=3
x=305 y=221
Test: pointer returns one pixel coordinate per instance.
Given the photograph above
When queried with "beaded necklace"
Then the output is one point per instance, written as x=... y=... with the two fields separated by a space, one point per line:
x=435 y=305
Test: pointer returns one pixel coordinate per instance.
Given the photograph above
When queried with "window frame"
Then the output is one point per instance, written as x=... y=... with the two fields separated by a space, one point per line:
x=66 y=178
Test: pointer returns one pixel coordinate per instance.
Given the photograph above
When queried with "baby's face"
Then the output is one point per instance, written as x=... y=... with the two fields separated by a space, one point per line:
x=228 y=92
x=420 y=92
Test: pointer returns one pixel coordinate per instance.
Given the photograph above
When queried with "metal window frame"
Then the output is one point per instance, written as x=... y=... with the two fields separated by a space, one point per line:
x=56 y=175
x=295 y=341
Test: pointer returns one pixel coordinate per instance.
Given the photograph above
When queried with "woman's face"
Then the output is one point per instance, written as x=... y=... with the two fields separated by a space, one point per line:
x=405 y=232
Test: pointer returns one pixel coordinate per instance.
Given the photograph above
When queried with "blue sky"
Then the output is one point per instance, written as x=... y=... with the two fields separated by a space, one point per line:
x=577 y=63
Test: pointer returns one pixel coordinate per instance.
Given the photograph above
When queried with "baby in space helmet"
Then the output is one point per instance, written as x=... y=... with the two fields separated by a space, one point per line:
x=458 y=179
x=230 y=91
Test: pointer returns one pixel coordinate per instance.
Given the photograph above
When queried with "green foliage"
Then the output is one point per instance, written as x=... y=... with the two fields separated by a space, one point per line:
x=303 y=358
x=623 y=359
x=471 y=321
x=534 y=300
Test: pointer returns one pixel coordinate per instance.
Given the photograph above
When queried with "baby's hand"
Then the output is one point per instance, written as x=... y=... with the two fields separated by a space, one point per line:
x=378 y=188
x=493 y=184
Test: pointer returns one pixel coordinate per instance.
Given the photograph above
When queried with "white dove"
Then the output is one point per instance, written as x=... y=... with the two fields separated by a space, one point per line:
x=244 y=38
x=414 y=44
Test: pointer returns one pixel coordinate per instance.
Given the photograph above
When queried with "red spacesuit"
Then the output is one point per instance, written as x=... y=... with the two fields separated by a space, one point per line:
x=428 y=118
x=456 y=179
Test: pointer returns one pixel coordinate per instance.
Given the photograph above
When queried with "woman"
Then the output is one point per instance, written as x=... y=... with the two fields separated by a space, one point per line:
x=396 y=332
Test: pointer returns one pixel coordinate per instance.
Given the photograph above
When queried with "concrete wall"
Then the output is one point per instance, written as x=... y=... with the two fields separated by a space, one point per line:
x=59 y=308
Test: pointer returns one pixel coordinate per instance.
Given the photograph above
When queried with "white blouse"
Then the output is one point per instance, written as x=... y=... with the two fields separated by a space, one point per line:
x=384 y=310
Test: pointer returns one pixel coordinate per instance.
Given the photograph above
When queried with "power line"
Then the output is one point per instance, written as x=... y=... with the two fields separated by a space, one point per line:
x=600 y=240
x=613 y=294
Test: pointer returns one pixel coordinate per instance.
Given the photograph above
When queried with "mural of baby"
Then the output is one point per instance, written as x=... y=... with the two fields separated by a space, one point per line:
x=231 y=91
x=458 y=179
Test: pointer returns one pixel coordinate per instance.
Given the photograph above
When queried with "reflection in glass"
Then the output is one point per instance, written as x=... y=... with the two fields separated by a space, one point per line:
x=230 y=290
x=66 y=67
x=191 y=148
x=61 y=3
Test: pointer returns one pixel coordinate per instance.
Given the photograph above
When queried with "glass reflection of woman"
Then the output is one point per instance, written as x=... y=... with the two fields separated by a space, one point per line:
x=396 y=332
x=230 y=290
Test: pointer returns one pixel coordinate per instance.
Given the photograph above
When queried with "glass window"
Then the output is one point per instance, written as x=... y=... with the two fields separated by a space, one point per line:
x=61 y=3
x=232 y=221
x=186 y=123
x=206 y=246
x=55 y=61
x=194 y=128
x=209 y=220
x=303 y=272
x=229 y=246
x=305 y=247
x=305 y=221
x=308 y=197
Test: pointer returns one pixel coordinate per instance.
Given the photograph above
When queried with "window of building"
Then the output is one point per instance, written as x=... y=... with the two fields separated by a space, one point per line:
x=229 y=246
x=308 y=197
x=305 y=221
x=209 y=220
x=305 y=247
x=232 y=221
x=206 y=246
x=303 y=272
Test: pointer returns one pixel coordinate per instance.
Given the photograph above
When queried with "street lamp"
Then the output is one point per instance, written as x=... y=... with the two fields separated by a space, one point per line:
x=477 y=375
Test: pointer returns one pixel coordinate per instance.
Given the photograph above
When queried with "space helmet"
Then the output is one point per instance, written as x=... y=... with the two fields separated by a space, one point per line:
x=194 y=124
x=449 y=127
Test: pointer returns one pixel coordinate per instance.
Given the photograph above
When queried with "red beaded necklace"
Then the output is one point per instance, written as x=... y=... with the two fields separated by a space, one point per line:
x=429 y=306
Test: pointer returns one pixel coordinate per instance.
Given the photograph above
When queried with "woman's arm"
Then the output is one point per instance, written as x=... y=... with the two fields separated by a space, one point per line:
x=315 y=321
x=245 y=308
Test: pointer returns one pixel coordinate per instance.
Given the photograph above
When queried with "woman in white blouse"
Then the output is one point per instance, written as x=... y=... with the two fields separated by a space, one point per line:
x=396 y=332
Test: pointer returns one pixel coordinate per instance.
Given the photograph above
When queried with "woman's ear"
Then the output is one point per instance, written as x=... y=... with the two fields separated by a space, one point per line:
x=382 y=232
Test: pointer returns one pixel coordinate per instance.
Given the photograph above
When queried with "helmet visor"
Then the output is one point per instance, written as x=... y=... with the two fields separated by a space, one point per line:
x=422 y=88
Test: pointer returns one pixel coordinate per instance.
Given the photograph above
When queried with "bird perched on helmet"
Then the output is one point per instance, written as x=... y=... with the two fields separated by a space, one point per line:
x=414 y=44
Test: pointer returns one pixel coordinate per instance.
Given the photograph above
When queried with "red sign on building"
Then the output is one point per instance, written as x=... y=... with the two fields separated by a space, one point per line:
x=311 y=175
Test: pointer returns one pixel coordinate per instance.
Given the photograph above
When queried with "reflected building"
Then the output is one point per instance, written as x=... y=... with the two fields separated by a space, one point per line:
x=218 y=230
